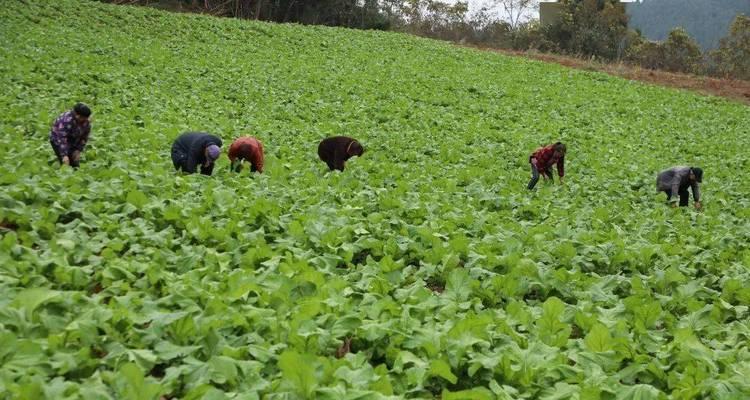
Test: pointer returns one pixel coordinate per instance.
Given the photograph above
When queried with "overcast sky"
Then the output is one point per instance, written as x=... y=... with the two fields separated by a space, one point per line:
x=476 y=5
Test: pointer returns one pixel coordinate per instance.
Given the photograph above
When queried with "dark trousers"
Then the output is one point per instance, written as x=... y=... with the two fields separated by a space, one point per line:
x=535 y=176
x=60 y=155
x=684 y=195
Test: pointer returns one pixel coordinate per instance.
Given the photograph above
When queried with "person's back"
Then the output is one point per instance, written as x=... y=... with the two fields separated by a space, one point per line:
x=188 y=141
x=195 y=148
x=666 y=178
x=336 y=150
x=677 y=180
x=246 y=148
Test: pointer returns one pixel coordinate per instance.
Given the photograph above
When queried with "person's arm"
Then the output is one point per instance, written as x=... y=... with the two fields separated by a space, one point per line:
x=235 y=165
x=190 y=164
x=232 y=155
x=259 y=158
x=84 y=138
x=561 y=168
x=202 y=157
x=339 y=159
x=696 y=193
x=81 y=144
x=675 y=185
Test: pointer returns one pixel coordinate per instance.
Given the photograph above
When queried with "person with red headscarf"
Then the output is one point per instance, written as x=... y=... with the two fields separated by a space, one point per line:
x=542 y=161
x=247 y=149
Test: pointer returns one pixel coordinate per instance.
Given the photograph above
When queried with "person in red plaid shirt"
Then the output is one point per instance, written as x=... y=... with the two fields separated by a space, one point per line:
x=249 y=149
x=542 y=161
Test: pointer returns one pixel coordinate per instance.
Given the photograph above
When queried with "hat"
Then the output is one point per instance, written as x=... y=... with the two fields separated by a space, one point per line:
x=698 y=173
x=213 y=152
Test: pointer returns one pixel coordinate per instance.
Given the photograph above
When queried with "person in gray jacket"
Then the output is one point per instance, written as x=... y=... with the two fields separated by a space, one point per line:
x=676 y=181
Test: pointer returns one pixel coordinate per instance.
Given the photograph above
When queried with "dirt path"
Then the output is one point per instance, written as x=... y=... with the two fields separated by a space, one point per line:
x=733 y=89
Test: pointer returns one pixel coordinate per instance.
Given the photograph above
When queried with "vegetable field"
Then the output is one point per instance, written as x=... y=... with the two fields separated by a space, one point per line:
x=424 y=270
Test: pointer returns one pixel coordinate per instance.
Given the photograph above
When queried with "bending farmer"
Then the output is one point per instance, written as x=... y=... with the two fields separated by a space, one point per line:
x=196 y=148
x=248 y=149
x=69 y=135
x=676 y=181
x=542 y=161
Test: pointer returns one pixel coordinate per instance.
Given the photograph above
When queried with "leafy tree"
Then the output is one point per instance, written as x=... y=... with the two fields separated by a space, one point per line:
x=732 y=58
x=591 y=28
x=679 y=53
x=532 y=35
x=646 y=53
x=682 y=53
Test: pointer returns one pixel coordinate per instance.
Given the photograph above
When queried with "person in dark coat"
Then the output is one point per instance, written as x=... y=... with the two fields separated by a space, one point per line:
x=335 y=151
x=70 y=133
x=676 y=181
x=196 y=148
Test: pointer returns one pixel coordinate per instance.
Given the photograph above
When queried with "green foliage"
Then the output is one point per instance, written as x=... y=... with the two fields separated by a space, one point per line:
x=679 y=53
x=364 y=14
x=425 y=270
x=532 y=35
x=591 y=28
x=732 y=57
x=646 y=53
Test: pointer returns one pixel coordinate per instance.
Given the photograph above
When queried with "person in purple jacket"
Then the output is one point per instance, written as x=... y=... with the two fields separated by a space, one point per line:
x=70 y=133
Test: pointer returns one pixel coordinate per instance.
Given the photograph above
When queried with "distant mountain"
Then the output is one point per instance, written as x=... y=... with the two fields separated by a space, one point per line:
x=706 y=20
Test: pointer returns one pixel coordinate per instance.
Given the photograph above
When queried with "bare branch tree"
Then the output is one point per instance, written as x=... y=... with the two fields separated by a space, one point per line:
x=515 y=11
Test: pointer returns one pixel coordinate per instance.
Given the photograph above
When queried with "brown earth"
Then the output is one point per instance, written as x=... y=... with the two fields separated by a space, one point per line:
x=733 y=89
x=11 y=226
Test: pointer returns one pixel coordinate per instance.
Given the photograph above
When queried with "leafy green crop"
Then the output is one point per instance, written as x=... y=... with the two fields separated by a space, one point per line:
x=424 y=270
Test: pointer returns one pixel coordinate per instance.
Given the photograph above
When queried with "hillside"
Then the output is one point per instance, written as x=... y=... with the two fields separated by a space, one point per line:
x=707 y=21
x=424 y=270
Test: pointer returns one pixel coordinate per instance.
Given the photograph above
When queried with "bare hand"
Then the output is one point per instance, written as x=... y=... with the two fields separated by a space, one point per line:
x=66 y=160
x=698 y=205
x=76 y=156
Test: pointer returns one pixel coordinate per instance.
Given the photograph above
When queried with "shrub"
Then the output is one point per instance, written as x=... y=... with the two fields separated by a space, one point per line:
x=682 y=53
x=679 y=53
x=732 y=58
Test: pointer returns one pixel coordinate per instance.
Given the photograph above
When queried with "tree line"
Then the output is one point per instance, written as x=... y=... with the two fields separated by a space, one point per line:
x=600 y=28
